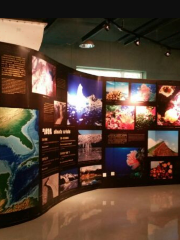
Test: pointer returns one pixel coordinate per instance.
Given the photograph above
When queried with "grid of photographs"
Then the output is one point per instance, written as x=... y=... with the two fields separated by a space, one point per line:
x=122 y=126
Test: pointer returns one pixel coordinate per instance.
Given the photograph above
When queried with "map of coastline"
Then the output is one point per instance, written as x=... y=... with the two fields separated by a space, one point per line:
x=19 y=159
x=11 y=122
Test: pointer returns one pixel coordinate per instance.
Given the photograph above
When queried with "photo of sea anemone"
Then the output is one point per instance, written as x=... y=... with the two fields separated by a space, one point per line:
x=119 y=117
x=117 y=91
x=125 y=162
x=145 y=116
x=143 y=92
x=168 y=113
x=161 y=170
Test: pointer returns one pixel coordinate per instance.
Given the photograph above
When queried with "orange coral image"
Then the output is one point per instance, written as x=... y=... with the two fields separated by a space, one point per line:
x=167 y=90
x=120 y=117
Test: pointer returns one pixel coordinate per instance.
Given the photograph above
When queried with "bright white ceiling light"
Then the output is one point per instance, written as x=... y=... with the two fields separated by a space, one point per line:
x=87 y=44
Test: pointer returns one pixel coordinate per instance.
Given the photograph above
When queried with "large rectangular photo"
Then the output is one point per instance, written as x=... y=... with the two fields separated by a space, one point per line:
x=43 y=77
x=68 y=180
x=117 y=91
x=84 y=101
x=119 y=117
x=163 y=143
x=89 y=145
x=90 y=175
x=19 y=159
x=161 y=170
x=143 y=92
x=126 y=162
x=168 y=113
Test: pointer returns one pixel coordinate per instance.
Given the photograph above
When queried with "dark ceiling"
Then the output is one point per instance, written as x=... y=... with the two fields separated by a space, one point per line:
x=67 y=31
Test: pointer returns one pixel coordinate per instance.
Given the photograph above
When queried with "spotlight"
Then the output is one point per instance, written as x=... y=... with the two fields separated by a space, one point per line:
x=137 y=42
x=107 y=26
x=167 y=53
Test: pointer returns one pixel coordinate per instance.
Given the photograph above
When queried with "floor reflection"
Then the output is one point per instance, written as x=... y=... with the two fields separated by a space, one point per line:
x=142 y=213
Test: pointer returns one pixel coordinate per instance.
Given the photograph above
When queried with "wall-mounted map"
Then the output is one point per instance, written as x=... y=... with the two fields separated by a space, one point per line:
x=19 y=159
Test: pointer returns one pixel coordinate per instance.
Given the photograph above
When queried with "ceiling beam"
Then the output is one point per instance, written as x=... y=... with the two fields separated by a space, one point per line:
x=137 y=35
x=137 y=29
x=170 y=36
x=151 y=29
x=97 y=29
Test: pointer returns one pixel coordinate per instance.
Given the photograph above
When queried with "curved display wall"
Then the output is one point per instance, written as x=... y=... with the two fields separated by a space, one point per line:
x=63 y=132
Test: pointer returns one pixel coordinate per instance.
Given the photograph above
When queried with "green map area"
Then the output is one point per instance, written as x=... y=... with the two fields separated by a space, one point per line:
x=11 y=122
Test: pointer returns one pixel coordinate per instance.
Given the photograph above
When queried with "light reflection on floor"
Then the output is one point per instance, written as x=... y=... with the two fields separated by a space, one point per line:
x=138 y=213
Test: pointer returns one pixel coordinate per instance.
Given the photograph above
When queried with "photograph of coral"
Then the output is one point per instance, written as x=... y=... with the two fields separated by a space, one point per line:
x=162 y=143
x=145 y=117
x=19 y=159
x=126 y=162
x=119 y=117
x=143 y=92
x=168 y=112
x=59 y=113
x=43 y=77
x=89 y=145
x=68 y=180
x=90 y=175
x=50 y=188
x=117 y=91
x=161 y=170
x=84 y=101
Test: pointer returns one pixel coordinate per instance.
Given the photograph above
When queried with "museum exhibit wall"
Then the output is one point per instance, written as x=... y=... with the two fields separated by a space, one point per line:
x=63 y=132
x=147 y=57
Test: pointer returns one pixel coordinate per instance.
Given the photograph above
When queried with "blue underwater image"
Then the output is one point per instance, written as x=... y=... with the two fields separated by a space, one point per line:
x=125 y=162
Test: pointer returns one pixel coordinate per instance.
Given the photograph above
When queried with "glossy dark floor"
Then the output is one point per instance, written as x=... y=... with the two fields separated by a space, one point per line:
x=137 y=213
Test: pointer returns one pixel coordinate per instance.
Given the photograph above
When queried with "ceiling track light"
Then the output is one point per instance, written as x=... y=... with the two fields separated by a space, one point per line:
x=137 y=42
x=168 y=53
x=107 y=26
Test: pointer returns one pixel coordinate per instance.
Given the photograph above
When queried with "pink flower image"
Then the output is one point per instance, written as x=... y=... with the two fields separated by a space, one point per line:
x=132 y=160
x=145 y=92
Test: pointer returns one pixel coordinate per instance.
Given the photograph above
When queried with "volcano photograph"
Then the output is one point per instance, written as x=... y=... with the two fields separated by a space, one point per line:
x=162 y=143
